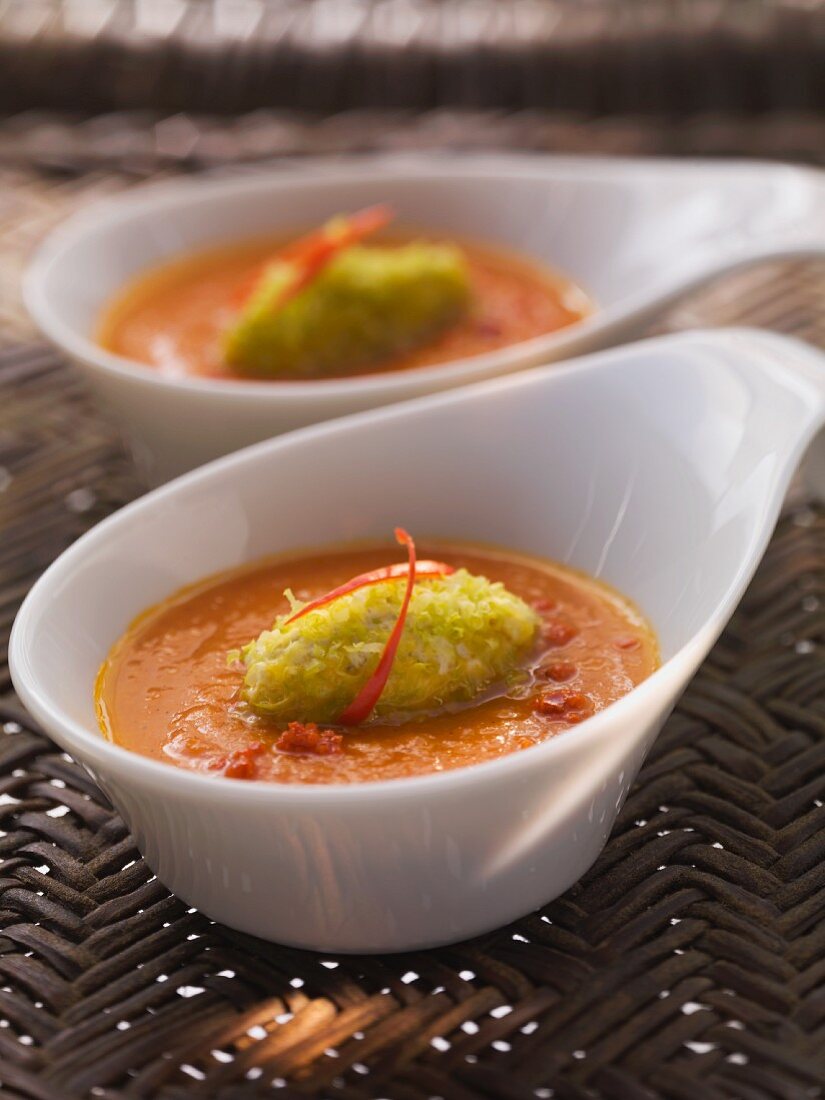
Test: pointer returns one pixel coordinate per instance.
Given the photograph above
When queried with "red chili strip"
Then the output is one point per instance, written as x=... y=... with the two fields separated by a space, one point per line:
x=364 y=702
x=337 y=234
x=311 y=254
x=386 y=573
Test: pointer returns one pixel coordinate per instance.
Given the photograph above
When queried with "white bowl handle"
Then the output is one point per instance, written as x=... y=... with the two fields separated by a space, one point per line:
x=809 y=364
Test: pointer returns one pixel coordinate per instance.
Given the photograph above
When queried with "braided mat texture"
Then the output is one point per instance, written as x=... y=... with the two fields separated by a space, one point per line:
x=689 y=964
x=597 y=57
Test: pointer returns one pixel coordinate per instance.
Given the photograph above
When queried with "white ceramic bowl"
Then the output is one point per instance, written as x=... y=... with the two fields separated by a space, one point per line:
x=660 y=467
x=635 y=234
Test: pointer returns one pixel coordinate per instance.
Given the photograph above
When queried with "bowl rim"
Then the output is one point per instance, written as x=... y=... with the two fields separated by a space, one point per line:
x=167 y=194
x=654 y=695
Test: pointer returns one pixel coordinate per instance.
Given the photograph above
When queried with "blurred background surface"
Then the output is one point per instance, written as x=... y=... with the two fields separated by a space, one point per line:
x=594 y=56
x=628 y=987
x=712 y=76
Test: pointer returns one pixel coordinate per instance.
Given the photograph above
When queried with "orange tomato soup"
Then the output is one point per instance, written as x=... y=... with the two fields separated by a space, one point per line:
x=172 y=318
x=166 y=690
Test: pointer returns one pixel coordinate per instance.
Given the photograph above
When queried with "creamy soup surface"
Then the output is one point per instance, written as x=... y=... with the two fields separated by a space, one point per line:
x=166 y=691
x=173 y=317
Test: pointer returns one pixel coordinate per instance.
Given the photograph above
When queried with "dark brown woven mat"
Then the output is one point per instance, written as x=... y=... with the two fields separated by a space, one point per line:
x=597 y=57
x=144 y=142
x=689 y=964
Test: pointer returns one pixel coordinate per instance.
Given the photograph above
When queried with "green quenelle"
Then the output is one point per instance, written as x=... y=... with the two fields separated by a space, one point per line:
x=367 y=304
x=463 y=634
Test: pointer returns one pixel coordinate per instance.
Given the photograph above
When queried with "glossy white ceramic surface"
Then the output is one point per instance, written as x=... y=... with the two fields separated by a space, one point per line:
x=634 y=233
x=659 y=467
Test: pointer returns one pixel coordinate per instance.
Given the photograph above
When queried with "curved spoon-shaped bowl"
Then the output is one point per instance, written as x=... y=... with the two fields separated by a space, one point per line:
x=634 y=233
x=660 y=467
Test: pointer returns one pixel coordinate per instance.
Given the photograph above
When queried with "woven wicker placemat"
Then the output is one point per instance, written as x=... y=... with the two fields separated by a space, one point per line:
x=687 y=965
x=593 y=57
